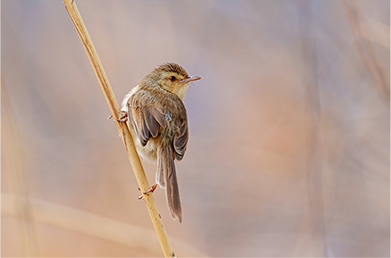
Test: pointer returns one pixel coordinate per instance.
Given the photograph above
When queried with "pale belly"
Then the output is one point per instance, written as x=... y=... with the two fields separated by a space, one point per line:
x=147 y=152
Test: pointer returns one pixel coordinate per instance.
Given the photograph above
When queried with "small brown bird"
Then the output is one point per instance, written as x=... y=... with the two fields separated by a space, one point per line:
x=157 y=120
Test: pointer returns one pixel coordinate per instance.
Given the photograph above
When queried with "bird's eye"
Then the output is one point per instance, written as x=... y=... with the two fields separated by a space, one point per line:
x=172 y=78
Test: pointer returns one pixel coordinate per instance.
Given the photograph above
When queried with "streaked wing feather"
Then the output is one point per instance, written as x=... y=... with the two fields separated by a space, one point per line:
x=145 y=116
x=159 y=114
x=180 y=140
x=150 y=121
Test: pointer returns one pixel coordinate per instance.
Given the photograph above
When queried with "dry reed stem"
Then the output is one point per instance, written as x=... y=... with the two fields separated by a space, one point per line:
x=11 y=147
x=366 y=51
x=307 y=28
x=134 y=159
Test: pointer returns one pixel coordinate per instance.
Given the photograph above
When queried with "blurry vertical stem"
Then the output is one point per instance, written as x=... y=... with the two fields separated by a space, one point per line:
x=134 y=159
x=312 y=100
x=365 y=50
x=13 y=164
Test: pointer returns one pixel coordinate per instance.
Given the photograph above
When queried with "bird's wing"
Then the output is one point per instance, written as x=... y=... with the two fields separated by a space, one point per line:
x=180 y=139
x=146 y=115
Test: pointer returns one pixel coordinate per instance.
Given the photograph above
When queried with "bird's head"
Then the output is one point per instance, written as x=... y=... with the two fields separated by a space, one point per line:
x=171 y=77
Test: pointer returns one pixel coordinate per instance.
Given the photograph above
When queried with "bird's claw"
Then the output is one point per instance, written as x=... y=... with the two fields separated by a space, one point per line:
x=150 y=190
x=123 y=118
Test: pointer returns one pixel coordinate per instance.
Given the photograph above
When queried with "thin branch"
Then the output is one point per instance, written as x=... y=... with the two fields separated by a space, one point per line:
x=134 y=159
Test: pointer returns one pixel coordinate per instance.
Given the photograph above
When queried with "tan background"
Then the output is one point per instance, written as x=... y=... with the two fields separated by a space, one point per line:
x=289 y=151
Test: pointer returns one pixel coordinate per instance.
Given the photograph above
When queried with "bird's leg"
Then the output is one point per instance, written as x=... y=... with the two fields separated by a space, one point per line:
x=150 y=190
x=123 y=118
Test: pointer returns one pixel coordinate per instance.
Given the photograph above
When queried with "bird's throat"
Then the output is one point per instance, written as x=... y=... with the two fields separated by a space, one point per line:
x=180 y=90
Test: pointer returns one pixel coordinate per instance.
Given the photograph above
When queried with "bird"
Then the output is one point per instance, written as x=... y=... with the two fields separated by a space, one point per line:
x=157 y=119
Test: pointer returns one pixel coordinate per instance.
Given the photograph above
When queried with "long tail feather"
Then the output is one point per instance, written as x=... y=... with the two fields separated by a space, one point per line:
x=166 y=178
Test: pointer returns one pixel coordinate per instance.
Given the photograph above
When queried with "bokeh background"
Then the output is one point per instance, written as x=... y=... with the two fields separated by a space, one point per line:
x=289 y=150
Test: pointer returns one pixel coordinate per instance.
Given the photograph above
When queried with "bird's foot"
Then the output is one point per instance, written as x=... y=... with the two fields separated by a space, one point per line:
x=150 y=190
x=123 y=118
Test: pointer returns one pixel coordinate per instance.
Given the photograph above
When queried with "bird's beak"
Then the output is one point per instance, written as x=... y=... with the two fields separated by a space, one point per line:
x=190 y=79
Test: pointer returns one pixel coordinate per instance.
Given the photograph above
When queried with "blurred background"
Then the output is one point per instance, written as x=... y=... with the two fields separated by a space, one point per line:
x=289 y=149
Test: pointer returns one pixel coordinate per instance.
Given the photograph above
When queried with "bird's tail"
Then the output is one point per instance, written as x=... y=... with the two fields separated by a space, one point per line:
x=166 y=179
